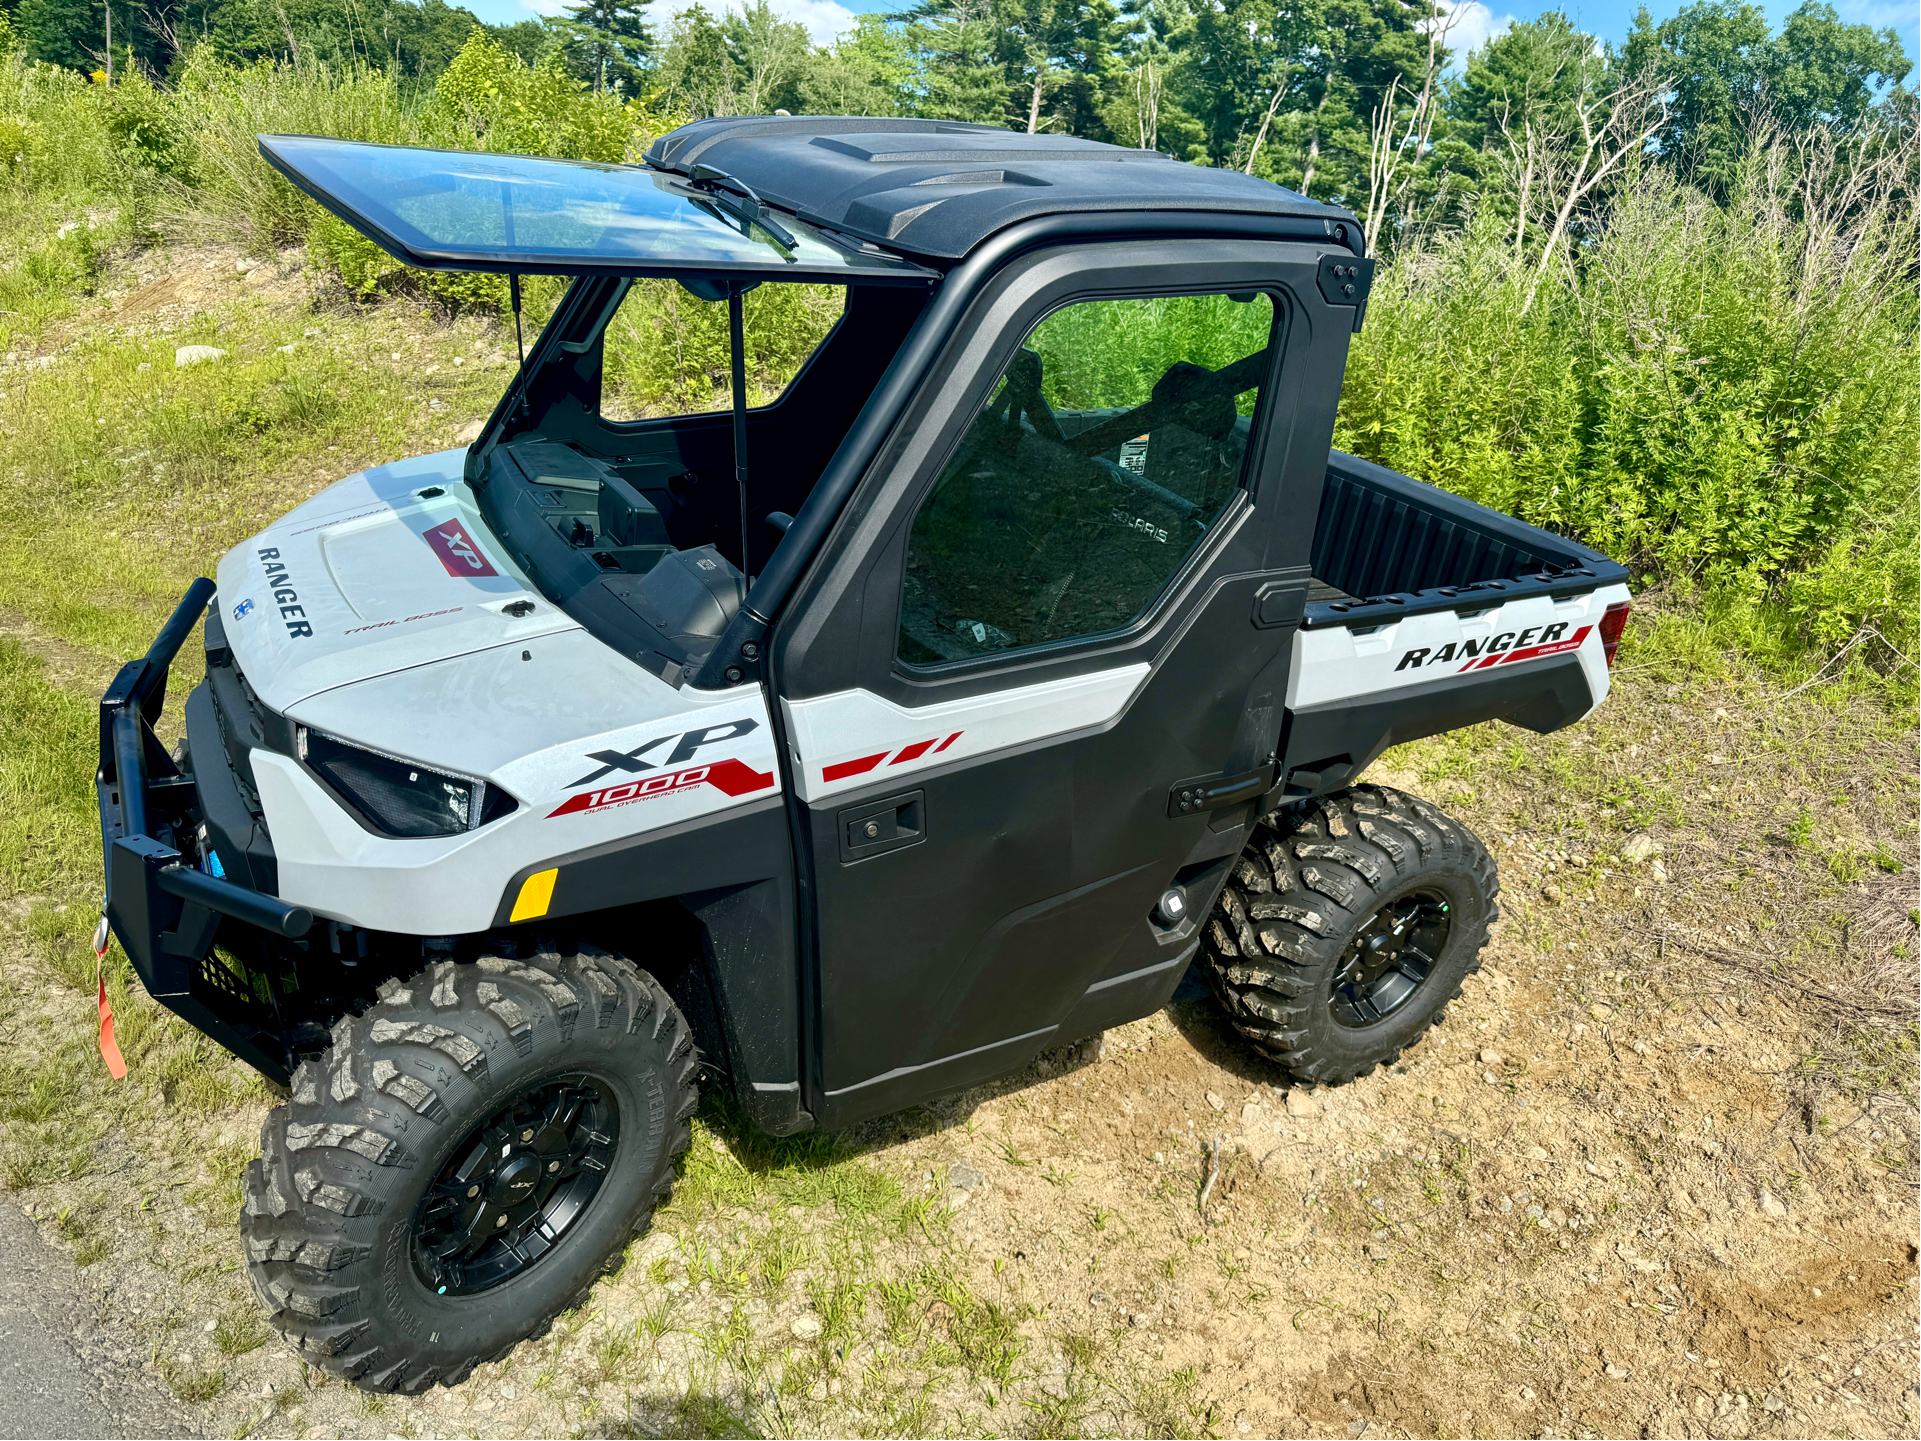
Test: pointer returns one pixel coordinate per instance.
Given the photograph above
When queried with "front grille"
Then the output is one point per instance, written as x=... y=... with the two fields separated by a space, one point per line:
x=246 y=723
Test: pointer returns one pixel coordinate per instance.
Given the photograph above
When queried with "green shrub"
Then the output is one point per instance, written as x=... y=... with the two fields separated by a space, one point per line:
x=1723 y=397
x=53 y=135
x=488 y=98
x=146 y=123
x=667 y=350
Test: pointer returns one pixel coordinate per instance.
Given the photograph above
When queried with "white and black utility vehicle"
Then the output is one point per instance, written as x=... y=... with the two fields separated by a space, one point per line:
x=844 y=751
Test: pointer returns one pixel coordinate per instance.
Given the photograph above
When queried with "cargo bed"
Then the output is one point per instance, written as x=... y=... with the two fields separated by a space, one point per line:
x=1428 y=612
x=1387 y=545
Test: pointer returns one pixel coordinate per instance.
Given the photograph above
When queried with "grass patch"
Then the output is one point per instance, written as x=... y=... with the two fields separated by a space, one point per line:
x=192 y=1384
x=239 y=1331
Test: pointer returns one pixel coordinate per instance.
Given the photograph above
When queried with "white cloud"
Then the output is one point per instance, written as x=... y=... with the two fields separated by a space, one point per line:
x=1470 y=25
x=825 y=20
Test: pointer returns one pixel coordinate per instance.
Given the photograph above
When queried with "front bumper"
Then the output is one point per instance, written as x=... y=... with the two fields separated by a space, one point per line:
x=165 y=911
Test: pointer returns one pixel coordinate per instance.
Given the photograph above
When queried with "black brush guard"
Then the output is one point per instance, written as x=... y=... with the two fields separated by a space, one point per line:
x=164 y=910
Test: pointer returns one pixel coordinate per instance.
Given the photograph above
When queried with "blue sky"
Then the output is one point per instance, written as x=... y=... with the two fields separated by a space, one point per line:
x=1608 y=19
x=1611 y=19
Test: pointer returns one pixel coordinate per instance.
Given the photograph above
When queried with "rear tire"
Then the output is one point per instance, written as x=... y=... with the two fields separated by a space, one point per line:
x=1346 y=927
x=363 y=1184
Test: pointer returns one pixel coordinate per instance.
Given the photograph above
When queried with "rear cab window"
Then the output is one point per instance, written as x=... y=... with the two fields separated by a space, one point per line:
x=666 y=349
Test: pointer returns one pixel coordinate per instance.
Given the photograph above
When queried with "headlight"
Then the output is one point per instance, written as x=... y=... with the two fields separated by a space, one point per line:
x=401 y=797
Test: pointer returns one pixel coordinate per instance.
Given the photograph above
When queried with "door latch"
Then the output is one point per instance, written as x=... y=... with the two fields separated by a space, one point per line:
x=1214 y=793
x=884 y=825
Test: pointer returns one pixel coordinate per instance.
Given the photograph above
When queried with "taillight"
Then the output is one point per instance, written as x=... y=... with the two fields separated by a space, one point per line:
x=1612 y=624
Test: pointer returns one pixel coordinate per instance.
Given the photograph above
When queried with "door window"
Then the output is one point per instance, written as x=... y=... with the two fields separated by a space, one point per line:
x=1115 y=438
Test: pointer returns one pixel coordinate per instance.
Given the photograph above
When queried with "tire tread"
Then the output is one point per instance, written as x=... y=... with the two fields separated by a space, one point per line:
x=363 y=1110
x=1304 y=879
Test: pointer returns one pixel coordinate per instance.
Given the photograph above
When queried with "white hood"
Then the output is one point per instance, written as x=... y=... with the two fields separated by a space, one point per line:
x=371 y=576
x=375 y=613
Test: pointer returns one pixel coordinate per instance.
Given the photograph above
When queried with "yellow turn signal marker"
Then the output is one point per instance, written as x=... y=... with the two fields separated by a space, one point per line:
x=536 y=894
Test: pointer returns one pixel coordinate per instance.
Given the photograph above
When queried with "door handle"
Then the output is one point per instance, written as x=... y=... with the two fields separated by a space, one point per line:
x=875 y=827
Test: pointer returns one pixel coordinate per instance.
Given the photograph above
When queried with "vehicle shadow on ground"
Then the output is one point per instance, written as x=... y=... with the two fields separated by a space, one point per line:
x=761 y=1154
x=1195 y=1013
x=1192 y=1011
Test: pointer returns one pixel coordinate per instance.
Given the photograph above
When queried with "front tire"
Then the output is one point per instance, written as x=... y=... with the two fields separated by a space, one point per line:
x=1346 y=927
x=465 y=1161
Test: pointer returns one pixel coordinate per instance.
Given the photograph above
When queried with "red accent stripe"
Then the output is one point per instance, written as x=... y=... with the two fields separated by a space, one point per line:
x=1551 y=648
x=852 y=768
x=737 y=778
x=946 y=743
x=1531 y=653
x=911 y=753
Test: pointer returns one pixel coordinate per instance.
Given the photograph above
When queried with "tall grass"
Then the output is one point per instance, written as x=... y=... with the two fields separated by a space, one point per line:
x=1111 y=353
x=1722 y=396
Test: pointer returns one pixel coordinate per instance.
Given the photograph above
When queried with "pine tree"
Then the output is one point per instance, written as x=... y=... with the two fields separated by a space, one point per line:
x=964 y=76
x=613 y=39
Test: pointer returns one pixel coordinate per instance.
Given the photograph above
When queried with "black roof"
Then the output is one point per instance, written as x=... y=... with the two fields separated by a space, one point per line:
x=937 y=188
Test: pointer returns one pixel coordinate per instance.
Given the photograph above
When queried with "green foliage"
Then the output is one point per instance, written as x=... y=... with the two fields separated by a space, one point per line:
x=1730 y=72
x=1721 y=396
x=1112 y=354
x=865 y=72
x=66 y=32
x=491 y=99
x=667 y=349
x=609 y=40
x=1530 y=71
x=52 y=139
x=740 y=62
x=145 y=126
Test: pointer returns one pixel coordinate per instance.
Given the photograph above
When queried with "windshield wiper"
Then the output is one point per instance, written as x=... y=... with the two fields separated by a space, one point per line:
x=738 y=199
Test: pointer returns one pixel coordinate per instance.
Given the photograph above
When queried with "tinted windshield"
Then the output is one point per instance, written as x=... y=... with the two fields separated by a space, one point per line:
x=460 y=210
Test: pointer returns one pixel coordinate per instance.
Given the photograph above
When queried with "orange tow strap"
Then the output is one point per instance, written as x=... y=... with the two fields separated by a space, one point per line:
x=109 y=1047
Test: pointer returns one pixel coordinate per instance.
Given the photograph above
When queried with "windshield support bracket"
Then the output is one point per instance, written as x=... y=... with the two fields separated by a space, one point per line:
x=520 y=345
x=737 y=328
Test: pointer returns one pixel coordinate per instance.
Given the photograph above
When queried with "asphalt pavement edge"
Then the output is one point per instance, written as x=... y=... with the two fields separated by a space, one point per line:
x=65 y=1373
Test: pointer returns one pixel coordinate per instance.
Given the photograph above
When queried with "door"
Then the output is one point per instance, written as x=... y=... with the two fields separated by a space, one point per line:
x=1039 y=687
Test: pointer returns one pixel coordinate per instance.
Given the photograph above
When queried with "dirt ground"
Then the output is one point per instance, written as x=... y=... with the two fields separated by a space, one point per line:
x=1616 y=1193
x=1655 y=1174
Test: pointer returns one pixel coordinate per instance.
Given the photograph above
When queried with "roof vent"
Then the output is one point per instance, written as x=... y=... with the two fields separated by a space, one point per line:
x=992 y=147
x=982 y=177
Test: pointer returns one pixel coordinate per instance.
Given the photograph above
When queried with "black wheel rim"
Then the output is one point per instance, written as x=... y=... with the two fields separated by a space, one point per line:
x=1390 y=958
x=515 y=1185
